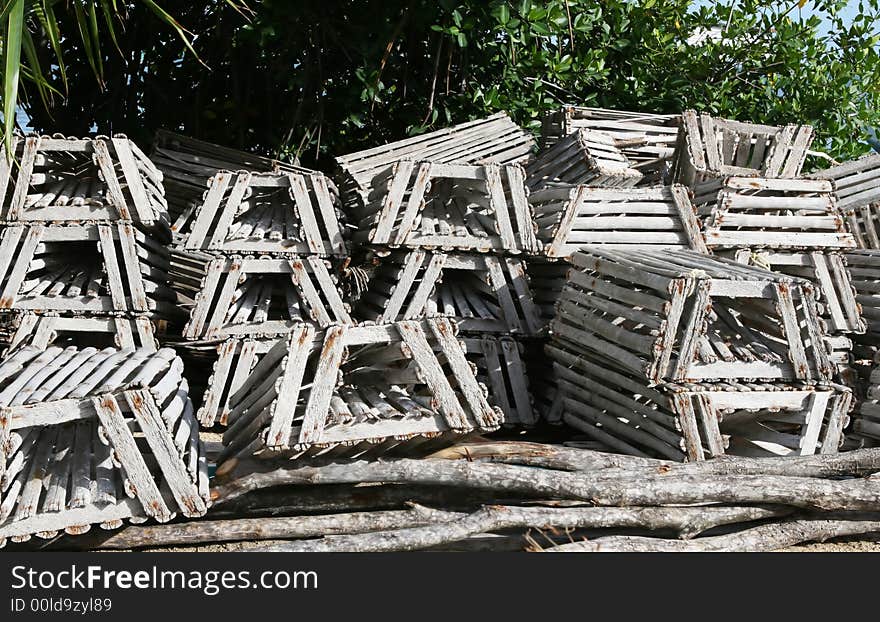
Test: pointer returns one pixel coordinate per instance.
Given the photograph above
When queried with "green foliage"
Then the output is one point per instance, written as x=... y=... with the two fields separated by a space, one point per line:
x=313 y=79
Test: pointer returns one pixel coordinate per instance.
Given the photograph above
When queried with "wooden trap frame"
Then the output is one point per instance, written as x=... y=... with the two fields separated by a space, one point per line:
x=569 y=217
x=837 y=303
x=41 y=331
x=501 y=367
x=93 y=436
x=57 y=179
x=680 y=421
x=274 y=213
x=493 y=139
x=583 y=157
x=113 y=268
x=738 y=212
x=263 y=296
x=677 y=315
x=482 y=293
x=866 y=421
x=188 y=164
x=708 y=147
x=403 y=388
x=433 y=205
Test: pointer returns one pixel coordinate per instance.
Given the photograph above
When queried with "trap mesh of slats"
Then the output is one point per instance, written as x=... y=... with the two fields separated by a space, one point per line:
x=188 y=163
x=235 y=359
x=677 y=315
x=501 y=367
x=493 y=139
x=433 y=205
x=837 y=303
x=583 y=157
x=680 y=421
x=856 y=183
x=247 y=212
x=53 y=178
x=864 y=224
x=263 y=296
x=96 y=437
x=113 y=268
x=709 y=147
x=482 y=293
x=770 y=213
x=41 y=331
x=358 y=391
x=568 y=217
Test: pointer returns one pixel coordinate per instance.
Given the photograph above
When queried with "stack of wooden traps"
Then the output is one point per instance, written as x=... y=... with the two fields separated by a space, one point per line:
x=449 y=240
x=399 y=388
x=96 y=437
x=83 y=253
x=683 y=355
x=755 y=206
x=259 y=257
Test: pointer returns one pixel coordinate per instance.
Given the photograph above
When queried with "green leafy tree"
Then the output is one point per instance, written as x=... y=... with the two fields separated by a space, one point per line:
x=317 y=78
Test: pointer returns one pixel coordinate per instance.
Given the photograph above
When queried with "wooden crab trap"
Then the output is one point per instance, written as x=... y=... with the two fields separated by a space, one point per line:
x=493 y=139
x=241 y=296
x=402 y=388
x=754 y=212
x=708 y=147
x=647 y=140
x=677 y=315
x=433 y=205
x=482 y=293
x=41 y=331
x=856 y=183
x=258 y=213
x=188 y=164
x=696 y=421
x=866 y=419
x=583 y=157
x=863 y=266
x=569 y=217
x=113 y=268
x=92 y=436
x=57 y=179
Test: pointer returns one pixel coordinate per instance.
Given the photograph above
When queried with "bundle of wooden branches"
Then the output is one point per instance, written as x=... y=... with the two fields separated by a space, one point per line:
x=527 y=496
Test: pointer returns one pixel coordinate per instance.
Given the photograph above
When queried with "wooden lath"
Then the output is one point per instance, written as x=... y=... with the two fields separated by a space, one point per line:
x=569 y=217
x=677 y=315
x=583 y=157
x=753 y=212
x=482 y=293
x=501 y=367
x=493 y=139
x=41 y=331
x=866 y=419
x=96 y=437
x=433 y=205
x=264 y=296
x=58 y=179
x=697 y=421
x=856 y=185
x=840 y=311
x=114 y=268
x=278 y=213
x=188 y=163
x=358 y=391
x=708 y=147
